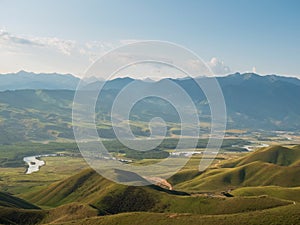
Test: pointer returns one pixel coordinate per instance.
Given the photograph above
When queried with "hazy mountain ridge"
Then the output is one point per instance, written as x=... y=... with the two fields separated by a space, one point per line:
x=29 y=80
x=252 y=101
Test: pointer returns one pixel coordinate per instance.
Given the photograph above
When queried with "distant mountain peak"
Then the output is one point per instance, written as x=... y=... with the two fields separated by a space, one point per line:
x=30 y=80
x=23 y=72
x=149 y=80
x=250 y=75
x=123 y=78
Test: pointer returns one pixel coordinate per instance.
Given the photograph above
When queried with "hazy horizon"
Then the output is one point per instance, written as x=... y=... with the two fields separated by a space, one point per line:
x=229 y=36
x=148 y=77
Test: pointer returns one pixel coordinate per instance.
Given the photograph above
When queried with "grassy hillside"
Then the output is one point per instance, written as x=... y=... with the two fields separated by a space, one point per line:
x=276 y=165
x=63 y=213
x=76 y=213
x=285 y=215
x=277 y=155
x=83 y=197
x=8 y=200
x=273 y=191
x=14 y=210
x=69 y=212
x=14 y=216
x=90 y=188
x=84 y=186
x=252 y=174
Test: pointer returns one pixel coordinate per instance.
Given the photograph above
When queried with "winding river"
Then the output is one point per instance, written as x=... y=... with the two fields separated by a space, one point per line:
x=34 y=163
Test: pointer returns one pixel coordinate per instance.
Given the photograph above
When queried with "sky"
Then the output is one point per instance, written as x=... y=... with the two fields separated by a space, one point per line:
x=262 y=36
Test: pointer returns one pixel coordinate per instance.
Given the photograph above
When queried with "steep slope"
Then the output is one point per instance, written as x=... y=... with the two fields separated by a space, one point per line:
x=278 y=155
x=108 y=198
x=275 y=165
x=91 y=188
x=14 y=216
x=69 y=212
x=252 y=174
x=14 y=210
x=8 y=200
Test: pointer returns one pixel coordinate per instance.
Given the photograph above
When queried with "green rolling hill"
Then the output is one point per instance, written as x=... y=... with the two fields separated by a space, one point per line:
x=275 y=165
x=14 y=216
x=108 y=198
x=68 y=212
x=14 y=210
x=285 y=215
x=7 y=200
x=88 y=198
x=273 y=191
x=277 y=155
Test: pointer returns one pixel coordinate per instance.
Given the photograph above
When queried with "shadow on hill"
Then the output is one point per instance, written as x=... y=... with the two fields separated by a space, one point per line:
x=7 y=200
x=274 y=165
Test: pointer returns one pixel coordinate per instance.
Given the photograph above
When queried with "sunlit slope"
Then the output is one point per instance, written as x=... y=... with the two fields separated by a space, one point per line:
x=273 y=191
x=107 y=197
x=89 y=187
x=276 y=165
x=285 y=215
x=277 y=155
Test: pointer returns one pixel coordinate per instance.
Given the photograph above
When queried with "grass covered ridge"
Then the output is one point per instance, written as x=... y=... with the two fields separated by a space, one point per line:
x=107 y=197
x=285 y=215
x=277 y=166
x=7 y=200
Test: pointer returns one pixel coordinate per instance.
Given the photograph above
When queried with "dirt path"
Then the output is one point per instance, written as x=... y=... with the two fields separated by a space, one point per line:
x=161 y=182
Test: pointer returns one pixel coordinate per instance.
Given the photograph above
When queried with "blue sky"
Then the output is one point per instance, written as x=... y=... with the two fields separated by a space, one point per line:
x=66 y=36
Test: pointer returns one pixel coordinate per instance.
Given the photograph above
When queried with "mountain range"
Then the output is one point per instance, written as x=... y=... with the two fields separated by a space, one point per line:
x=39 y=106
x=28 y=80
x=53 y=81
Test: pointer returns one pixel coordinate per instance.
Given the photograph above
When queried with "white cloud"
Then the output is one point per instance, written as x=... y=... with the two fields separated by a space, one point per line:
x=48 y=54
x=52 y=54
x=218 y=66
x=6 y=37
x=64 y=46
